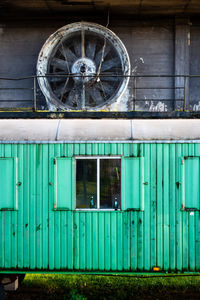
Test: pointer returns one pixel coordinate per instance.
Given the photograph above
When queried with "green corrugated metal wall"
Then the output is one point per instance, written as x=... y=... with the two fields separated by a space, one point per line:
x=39 y=233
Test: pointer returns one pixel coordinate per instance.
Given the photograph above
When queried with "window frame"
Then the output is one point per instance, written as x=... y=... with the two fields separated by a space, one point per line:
x=56 y=203
x=15 y=183
x=182 y=180
x=97 y=157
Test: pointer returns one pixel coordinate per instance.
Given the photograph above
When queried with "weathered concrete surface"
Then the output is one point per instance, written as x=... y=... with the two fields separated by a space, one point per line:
x=166 y=129
x=98 y=130
x=18 y=130
x=95 y=130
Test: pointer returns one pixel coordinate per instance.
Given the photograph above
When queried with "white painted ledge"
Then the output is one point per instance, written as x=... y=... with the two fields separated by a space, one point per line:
x=98 y=130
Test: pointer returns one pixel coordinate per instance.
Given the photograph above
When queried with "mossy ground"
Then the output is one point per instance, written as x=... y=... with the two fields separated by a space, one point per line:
x=107 y=287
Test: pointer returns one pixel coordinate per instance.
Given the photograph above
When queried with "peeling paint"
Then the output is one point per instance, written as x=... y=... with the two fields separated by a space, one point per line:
x=153 y=106
x=160 y=106
x=134 y=70
x=196 y=107
x=122 y=103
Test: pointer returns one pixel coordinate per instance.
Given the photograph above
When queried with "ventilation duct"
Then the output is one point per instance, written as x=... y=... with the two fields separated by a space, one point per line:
x=83 y=66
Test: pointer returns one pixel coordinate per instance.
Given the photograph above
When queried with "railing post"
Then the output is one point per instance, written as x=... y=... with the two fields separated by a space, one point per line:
x=185 y=87
x=186 y=93
x=34 y=94
x=135 y=92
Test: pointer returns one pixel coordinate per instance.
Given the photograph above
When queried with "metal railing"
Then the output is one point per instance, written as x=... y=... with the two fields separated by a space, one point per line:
x=146 y=92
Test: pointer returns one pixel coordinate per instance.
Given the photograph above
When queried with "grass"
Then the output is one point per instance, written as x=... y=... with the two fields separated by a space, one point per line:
x=81 y=287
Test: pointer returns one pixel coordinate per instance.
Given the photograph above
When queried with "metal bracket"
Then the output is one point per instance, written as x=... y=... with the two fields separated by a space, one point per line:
x=190 y=209
x=133 y=209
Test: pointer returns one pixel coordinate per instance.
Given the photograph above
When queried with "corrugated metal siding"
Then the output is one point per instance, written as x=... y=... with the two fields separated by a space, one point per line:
x=38 y=237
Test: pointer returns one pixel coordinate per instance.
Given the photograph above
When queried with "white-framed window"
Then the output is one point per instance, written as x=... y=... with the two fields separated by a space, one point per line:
x=98 y=182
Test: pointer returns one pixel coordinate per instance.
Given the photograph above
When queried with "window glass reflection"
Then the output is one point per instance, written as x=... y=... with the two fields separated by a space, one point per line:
x=110 y=183
x=86 y=183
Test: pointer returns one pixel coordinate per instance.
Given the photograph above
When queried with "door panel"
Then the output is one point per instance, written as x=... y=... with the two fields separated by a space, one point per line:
x=189 y=204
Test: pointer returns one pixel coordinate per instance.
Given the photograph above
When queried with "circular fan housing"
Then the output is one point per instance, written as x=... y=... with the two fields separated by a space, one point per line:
x=83 y=66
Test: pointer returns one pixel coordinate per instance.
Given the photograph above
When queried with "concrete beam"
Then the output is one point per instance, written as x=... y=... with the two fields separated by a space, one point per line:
x=77 y=130
x=182 y=62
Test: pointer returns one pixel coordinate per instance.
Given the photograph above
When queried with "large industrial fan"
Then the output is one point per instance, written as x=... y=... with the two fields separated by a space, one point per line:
x=83 y=66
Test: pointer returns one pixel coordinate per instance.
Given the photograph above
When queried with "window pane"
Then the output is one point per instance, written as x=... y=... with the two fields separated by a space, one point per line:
x=110 y=183
x=86 y=183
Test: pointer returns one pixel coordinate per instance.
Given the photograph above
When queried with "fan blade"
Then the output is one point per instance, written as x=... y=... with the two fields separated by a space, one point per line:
x=58 y=80
x=90 y=50
x=60 y=64
x=110 y=78
x=109 y=64
x=87 y=103
x=77 y=48
x=74 y=98
x=98 y=56
x=106 y=87
x=62 y=90
x=95 y=95
x=68 y=54
x=71 y=97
